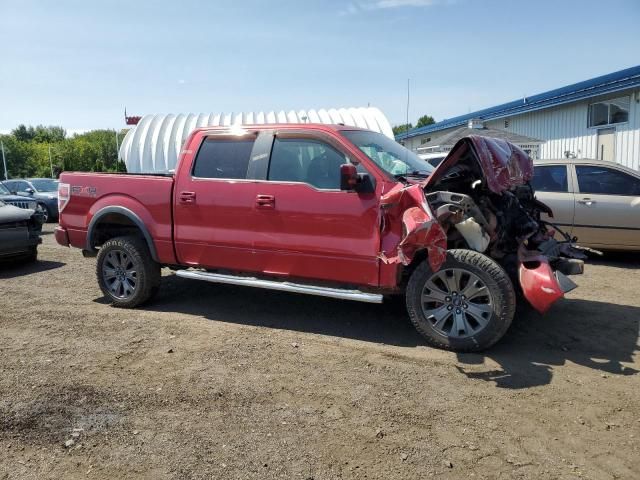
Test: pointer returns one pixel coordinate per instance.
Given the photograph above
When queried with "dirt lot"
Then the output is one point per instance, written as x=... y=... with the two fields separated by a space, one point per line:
x=224 y=382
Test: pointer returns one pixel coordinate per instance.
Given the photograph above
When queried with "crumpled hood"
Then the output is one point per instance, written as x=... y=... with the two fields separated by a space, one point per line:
x=503 y=164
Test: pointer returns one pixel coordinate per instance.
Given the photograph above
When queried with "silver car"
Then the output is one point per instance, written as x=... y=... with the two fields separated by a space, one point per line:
x=596 y=201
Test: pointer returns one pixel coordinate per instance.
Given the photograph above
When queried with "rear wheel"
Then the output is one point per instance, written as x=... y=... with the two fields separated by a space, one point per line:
x=127 y=274
x=467 y=305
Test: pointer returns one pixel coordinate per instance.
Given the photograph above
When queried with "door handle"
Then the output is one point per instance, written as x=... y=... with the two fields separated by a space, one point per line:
x=265 y=201
x=188 y=197
x=587 y=201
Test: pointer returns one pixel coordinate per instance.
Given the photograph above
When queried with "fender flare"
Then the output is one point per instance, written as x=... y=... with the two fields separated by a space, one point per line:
x=128 y=214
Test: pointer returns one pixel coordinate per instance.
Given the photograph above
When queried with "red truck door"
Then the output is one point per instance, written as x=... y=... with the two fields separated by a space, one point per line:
x=305 y=226
x=213 y=201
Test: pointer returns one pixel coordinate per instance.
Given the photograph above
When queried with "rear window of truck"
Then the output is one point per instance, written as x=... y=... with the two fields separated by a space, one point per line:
x=223 y=158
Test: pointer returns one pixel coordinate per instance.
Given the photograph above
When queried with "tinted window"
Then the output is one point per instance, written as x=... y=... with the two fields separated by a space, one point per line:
x=223 y=158
x=609 y=112
x=306 y=160
x=550 y=178
x=3 y=190
x=45 y=185
x=16 y=186
x=606 y=181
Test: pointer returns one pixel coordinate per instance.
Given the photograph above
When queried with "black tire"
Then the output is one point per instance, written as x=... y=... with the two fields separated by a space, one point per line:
x=46 y=212
x=133 y=253
x=32 y=256
x=486 y=314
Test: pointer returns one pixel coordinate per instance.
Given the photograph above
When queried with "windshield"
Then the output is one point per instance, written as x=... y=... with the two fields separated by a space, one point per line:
x=45 y=185
x=388 y=154
x=4 y=190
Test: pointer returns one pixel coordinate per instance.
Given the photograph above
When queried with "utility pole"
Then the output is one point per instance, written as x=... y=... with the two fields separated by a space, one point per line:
x=4 y=161
x=117 y=151
x=50 y=161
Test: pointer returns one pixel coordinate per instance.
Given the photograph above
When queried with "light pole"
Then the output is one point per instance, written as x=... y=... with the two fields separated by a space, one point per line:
x=4 y=161
x=117 y=150
x=50 y=161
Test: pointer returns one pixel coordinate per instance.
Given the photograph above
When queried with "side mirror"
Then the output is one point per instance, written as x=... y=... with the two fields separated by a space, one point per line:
x=348 y=176
x=351 y=180
x=30 y=191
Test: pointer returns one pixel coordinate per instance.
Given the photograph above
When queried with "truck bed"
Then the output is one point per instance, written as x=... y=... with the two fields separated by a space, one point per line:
x=147 y=196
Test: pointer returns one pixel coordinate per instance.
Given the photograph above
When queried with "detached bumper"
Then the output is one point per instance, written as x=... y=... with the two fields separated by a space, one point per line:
x=62 y=237
x=542 y=286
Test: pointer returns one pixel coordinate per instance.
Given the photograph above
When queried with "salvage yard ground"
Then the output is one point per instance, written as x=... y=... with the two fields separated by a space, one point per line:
x=212 y=381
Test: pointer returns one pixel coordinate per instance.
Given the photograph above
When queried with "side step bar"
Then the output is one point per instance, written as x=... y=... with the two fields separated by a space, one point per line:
x=283 y=286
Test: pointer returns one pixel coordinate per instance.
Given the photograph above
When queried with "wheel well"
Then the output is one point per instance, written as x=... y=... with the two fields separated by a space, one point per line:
x=116 y=224
x=406 y=270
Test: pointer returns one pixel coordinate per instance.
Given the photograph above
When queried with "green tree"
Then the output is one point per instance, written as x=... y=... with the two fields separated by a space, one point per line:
x=425 y=120
x=398 y=129
x=23 y=134
x=27 y=150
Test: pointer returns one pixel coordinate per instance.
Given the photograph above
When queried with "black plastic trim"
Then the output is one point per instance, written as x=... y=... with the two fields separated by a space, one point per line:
x=131 y=216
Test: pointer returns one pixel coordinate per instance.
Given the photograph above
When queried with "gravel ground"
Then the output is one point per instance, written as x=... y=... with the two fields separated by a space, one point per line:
x=212 y=381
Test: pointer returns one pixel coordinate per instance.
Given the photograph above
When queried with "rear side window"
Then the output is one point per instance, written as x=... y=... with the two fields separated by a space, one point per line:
x=606 y=181
x=223 y=158
x=552 y=178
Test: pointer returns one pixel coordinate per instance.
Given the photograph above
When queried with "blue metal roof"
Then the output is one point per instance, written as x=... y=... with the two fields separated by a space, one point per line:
x=612 y=82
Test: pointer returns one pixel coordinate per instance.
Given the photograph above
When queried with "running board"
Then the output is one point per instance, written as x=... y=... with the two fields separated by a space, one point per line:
x=343 y=294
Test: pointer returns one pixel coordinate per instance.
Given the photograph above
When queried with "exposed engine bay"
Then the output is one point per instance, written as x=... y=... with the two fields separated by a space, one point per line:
x=482 y=198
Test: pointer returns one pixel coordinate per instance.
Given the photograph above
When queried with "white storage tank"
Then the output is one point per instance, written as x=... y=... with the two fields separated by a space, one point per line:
x=154 y=144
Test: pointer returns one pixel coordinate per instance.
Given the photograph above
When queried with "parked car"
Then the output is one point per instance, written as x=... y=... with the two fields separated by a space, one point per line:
x=16 y=200
x=434 y=159
x=327 y=210
x=43 y=190
x=596 y=201
x=20 y=230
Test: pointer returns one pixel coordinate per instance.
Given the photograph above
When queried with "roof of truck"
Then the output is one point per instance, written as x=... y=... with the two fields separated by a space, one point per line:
x=276 y=126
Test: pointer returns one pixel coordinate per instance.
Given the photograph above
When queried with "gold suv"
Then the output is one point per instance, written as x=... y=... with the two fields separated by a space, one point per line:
x=596 y=201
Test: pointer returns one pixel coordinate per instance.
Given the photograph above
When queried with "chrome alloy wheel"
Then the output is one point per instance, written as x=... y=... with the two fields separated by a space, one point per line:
x=457 y=303
x=119 y=274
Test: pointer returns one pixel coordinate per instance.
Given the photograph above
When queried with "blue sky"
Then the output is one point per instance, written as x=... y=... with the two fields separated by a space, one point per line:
x=79 y=63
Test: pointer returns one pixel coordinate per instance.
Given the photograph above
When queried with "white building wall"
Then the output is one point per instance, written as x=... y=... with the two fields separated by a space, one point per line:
x=565 y=129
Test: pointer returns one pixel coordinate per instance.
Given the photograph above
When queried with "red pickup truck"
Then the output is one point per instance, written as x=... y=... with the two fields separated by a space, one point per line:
x=334 y=211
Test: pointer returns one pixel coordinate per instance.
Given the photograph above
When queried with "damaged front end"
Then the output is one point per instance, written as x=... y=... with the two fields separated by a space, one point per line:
x=479 y=198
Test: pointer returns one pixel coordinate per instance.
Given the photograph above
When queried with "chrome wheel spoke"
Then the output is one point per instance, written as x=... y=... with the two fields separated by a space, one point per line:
x=481 y=312
x=438 y=315
x=460 y=325
x=432 y=292
x=119 y=274
x=115 y=287
x=451 y=279
x=127 y=287
x=456 y=303
x=474 y=288
x=109 y=273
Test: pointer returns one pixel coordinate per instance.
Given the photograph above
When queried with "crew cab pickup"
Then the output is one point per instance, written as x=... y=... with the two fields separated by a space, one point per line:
x=334 y=211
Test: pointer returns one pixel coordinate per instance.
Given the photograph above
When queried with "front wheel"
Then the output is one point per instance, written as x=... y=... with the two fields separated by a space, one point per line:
x=467 y=305
x=44 y=211
x=127 y=274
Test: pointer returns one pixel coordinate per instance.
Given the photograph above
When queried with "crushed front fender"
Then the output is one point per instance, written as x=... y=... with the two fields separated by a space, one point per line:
x=409 y=226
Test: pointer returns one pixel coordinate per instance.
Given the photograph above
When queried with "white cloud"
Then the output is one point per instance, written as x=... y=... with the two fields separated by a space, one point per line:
x=368 y=5
x=403 y=3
